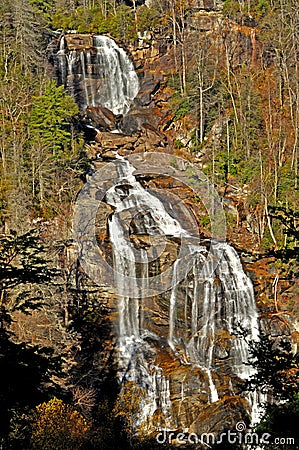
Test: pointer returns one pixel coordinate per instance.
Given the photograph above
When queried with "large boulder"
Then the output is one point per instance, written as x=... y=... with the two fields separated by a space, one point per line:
x=148 y=88
x=137 y=118
x=100 y=117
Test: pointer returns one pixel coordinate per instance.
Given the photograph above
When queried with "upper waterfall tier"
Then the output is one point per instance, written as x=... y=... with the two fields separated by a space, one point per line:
x=98 y=73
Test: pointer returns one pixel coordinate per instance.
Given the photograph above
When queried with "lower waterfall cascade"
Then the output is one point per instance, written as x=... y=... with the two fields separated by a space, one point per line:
x=197 y=327
x=223 y=302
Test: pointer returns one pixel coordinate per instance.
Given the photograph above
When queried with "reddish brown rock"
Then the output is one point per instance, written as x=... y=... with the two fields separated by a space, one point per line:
x=78 y=41
x=109 y=141
x=100 y=118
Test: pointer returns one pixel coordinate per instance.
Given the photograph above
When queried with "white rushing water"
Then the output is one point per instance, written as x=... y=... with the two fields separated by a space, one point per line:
x=222 y=294
x=102 y=75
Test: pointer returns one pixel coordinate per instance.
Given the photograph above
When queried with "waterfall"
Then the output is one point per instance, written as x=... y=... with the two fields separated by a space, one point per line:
x=100 y=75
x=210 y=303
x=221 y=296
x=126 y=195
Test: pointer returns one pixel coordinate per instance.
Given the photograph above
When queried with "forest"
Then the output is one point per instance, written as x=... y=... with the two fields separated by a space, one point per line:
x=230 y=104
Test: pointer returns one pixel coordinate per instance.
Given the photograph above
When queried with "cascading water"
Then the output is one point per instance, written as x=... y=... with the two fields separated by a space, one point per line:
x=101 y=75
x=227 y=302
x=224 y=301
x=128 y=195
x=216 y=297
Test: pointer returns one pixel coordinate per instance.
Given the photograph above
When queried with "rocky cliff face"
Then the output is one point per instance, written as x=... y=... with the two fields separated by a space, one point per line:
x=178 y=353
x=177 y=349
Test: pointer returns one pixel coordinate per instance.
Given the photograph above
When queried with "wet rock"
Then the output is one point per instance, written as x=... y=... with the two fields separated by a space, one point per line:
x=99 y=117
